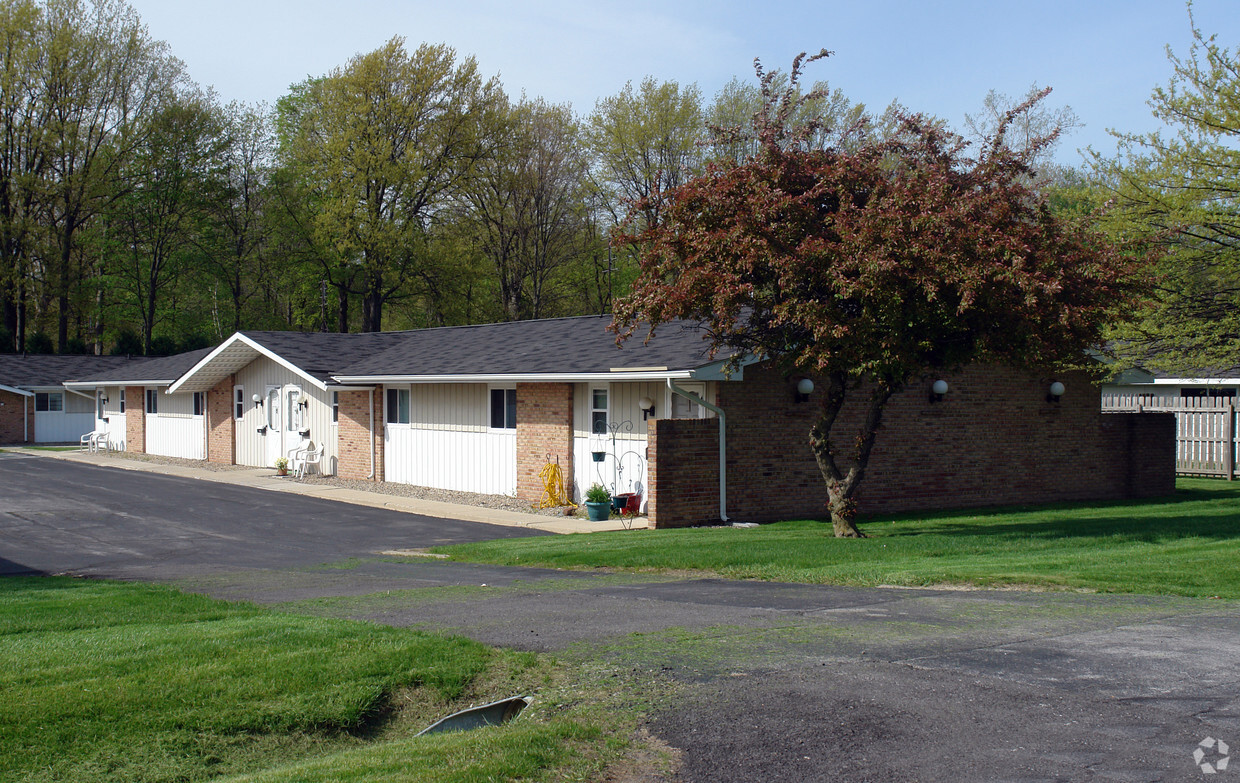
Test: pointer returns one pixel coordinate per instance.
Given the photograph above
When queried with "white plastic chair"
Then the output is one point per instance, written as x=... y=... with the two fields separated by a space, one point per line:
x=305 y=458
x=93 y=441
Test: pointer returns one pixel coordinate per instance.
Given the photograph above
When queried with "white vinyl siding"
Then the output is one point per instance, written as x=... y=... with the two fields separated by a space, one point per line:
x=624 y=465
x=174 y=430
x=447 y=443
x=251 y=447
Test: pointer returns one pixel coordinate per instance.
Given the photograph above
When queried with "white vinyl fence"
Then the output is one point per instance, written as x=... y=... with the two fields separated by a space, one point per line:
x=1205 y=429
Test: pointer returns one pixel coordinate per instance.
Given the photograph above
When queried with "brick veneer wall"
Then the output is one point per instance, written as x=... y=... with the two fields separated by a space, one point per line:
x=544 y=430
x=994 y=440
x=221 y=428
x=12 y=429
x=354 y=438
x=135 y=419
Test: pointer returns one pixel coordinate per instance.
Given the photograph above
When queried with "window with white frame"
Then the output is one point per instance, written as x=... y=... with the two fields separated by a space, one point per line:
x=200 y=403
x=598 y=410
x=238 y=402
x=335 y=407
x=152 y=400
x=47 y=402
x=398 y=406
x=100 y=400
x=122 y=399
x=503 y=409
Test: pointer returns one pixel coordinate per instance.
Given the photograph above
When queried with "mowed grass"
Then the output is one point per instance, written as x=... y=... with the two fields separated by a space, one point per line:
x=1186 y=545
x=103 y=682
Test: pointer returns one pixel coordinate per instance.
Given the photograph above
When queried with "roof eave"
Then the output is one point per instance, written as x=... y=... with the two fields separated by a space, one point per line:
x=254 y=344
x=14 y=390
x=582 y=377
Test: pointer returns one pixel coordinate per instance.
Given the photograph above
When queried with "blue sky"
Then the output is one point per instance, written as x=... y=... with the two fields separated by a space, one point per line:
x=937 y=56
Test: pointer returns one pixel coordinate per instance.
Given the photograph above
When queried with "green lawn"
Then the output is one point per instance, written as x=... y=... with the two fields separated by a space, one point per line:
x=104 y=682
x=1184 y=545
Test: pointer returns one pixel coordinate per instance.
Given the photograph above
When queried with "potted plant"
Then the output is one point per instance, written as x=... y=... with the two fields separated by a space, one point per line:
x=598 y=503
x=281 y=466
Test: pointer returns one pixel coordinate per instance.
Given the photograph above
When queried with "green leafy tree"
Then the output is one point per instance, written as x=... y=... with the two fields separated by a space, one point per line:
x=527 y=204
x=381 y=145
x=1178 y=187
x=872 y=264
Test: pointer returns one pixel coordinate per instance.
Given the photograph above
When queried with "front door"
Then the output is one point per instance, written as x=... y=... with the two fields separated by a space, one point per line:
x=294 y=420
x=275 y=438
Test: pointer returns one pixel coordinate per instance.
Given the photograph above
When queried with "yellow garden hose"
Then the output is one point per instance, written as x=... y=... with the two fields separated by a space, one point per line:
x=553 y=485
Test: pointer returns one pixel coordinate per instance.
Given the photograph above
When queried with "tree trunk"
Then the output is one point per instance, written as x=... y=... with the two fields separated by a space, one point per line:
x=842 y=484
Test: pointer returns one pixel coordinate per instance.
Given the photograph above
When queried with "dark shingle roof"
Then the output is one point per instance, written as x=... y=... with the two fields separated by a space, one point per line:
x=26 y=371
x=551 y=346
x=323 y=354
x=160 y=368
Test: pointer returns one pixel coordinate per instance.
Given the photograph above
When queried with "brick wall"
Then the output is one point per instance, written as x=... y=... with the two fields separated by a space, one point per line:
x=354 y=438
x=12 y=429
x=135 y=419
x=221 y=428
x=544 y=432
x=994 y=440
x=683 y=472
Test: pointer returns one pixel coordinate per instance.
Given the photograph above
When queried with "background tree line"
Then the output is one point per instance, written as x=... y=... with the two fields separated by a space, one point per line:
x=141 y=214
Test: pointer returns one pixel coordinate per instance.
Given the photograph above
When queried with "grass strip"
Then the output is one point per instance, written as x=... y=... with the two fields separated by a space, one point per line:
x=1182 y=545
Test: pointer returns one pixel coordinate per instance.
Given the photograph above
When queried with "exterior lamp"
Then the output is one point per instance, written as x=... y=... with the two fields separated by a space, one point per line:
x=647 y=406
x=937 y=390
x=257 y=400
x=805 y=387
x=1055 y=391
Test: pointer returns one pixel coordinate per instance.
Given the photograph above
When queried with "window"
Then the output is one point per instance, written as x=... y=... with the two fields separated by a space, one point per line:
x=1207 y=391
x=294 y=410
x=335 y=407
x=100 y=412
x=122 y=400
x=397 y=406
x=238 y=402
x=598 y=411
x=49 y=401
x=503 y=409
x=200 y=403
x=152 y=400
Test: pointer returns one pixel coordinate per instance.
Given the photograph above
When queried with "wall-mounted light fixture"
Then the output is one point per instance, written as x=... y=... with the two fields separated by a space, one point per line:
x=1055 y=391
x=805 y=387
x=258 y=401
x=305 y=402
x=938 y=390
x=647 y=406
x=104 y=400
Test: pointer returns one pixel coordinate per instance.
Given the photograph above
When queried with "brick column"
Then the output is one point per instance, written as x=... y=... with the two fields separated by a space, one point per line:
x=354 y=437
x=221 y=428
x=683 y=472
x=135 y=419
x=544 y=427
x=12 y=429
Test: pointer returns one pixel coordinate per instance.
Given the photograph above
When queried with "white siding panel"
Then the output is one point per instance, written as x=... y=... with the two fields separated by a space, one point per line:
x=176 y=436
x=251 y=447
x=61 y=427
x=457 y=407
x=482 y=462
x=623 y=468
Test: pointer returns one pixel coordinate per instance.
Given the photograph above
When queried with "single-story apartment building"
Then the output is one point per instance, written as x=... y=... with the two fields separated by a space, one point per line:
x=485 y=408
x=35 y=404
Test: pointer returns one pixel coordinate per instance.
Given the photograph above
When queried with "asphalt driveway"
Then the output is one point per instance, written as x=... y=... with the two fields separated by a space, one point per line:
x=58 y=516
x=774 y=682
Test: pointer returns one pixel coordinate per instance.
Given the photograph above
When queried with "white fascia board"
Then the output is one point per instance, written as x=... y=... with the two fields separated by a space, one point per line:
x=1192 y=382
x=15 y=390
x=122 y=384
x=238 y=337
x=652 y=375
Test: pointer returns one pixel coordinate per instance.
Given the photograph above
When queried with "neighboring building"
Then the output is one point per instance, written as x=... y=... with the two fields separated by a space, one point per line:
x=35 y=404
x=485 y=408
x=1204 y=405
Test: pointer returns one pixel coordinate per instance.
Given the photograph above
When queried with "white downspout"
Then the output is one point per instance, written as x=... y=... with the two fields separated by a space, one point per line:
x=723 y=444
x=371 y=407
x=25 y=420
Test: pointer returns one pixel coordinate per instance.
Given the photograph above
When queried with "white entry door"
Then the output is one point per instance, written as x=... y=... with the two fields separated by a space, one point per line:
x=274 y=438
x=294 y=420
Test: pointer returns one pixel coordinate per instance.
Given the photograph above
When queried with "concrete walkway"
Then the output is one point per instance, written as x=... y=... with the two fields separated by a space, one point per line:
x=265 y=478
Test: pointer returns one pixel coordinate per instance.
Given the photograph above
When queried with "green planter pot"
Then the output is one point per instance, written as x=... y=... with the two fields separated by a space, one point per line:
x=598 y=512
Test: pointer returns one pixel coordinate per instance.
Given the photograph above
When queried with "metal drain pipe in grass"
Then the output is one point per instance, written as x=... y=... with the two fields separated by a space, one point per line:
x=723 y=444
